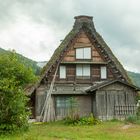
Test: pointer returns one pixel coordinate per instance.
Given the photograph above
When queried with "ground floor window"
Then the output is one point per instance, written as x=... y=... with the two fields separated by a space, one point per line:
x=63 y=106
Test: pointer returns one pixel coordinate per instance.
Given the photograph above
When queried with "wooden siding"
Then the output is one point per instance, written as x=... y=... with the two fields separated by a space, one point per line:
x=113 y=95
x=84 y=106
x=101 y=103
x=82 y=41
x=40 y=99
x=69 y=60
x=71 y=75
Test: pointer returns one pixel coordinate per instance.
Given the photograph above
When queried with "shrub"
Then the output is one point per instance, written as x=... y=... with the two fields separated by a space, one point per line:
x=134 y=119
x=14 y=77
x=13 y=113
x=90 y=120
x=73 y=108
x=131 y=119
x=138 y=112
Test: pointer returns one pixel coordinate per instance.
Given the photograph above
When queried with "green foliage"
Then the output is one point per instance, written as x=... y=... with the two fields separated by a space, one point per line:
x=14 y=76
x=133 y=119
x=12 y=68
x=73 y=110
x=13 y=114
x=90 y=120
x=59 y=131
x=138 y=112
x=73 y=117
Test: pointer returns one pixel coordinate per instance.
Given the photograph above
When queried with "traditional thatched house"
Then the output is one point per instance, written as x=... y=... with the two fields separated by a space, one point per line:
x=83 y=67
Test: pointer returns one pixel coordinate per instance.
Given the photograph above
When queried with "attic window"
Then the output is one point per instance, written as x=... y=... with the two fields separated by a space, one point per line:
x=103 y=72
x=83 y=71
x=62 y=72
x=83 y=53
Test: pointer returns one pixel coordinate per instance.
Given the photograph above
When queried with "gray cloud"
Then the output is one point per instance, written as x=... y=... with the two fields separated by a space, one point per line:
x=38 y=25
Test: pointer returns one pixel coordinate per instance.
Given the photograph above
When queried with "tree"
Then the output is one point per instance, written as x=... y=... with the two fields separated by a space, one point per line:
x=14 y=77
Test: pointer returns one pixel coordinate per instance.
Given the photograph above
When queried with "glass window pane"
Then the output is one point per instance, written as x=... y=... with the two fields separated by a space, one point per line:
x=62 y=72
x=87 y=53
x=103 y=72
x=79 y=53
x=63 y=105
x=79 y=70
x=86 y=70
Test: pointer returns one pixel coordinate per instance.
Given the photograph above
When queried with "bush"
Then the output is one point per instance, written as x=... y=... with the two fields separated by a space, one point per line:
x=131 y=119
x=14 y=77
x=138 y=112
x=90 y=120
x=13 y=113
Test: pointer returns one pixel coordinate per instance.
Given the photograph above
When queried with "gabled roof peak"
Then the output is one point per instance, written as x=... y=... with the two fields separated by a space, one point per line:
x=83 y=19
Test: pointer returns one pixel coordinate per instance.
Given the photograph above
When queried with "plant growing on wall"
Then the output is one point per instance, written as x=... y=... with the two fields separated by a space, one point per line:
x=73 y=108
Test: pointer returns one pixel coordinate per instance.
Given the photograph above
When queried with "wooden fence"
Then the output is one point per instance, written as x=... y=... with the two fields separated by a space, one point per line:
x=123 y=111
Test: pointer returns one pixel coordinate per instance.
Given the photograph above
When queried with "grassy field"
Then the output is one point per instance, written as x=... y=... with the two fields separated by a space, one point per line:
x=58 y=131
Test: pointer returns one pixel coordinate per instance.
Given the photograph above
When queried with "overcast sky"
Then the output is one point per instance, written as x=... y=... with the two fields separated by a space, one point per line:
x=34 y=28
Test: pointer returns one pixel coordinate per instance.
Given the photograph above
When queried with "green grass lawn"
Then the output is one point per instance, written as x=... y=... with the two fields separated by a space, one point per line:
x=59 y=131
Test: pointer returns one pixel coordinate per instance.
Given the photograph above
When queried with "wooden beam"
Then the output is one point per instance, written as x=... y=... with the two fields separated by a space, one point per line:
x=119 y=76
x=109 y=61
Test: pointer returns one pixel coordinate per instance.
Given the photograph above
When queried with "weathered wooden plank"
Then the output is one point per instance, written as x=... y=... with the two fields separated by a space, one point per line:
x=101 y=104
x=110 y=104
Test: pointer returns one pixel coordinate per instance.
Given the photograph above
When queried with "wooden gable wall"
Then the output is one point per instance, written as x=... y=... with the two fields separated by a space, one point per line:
x=70 y=62
x=82 y=41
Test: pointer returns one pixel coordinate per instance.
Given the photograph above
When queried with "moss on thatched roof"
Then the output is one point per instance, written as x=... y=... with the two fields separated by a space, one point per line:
x=58 y=51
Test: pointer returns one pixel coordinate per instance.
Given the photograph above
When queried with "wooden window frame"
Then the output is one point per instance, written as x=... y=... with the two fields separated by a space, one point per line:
x=101 y=73
x=65 y=72
x=63 y=104
x=83 y=76
x=83 y=53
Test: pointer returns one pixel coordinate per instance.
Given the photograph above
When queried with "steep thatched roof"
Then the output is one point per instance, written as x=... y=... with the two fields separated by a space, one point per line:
x=86 y=24
x=83 y=23
x=59 y=50
x=114 y=59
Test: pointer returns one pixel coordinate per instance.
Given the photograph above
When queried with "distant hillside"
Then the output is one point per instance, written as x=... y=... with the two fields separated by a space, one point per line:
x=28 y=62
x=2 y=50
x=41 y=64
x=135 y=77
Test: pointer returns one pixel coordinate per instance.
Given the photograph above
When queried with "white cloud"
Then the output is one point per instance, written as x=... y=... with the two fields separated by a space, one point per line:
x=35 y=28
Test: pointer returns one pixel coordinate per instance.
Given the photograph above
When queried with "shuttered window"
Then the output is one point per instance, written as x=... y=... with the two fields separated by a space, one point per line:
x=103 y=72
x=62 y=71
x=83 y=71
x=83 y=53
